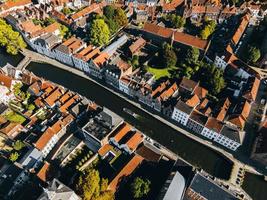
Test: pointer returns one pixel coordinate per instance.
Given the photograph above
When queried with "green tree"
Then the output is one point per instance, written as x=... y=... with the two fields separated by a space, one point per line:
x=135 y=61
x=10 y=39
x=31 y=107
x=120 y=17
x=208 y=29
x=192 y=55
x=99 y=32
x=169 y=56
x=66 y=11
x=18 y=145
x=140 y=187
x=92 y=187
x=14 y=156
x=48 y=21
x=64 y=31
x=109 y=11
x=253 y=54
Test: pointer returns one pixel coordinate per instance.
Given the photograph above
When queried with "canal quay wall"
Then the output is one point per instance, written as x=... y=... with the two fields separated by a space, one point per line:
x=36 y=57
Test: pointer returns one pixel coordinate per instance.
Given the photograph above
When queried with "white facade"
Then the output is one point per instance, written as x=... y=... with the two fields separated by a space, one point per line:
x=81 y=64
x=227 y=142
x=124 y=86
x=180 y=116
x=64 y=58
x=211 y=134
x=49 y=146
x=219 y=62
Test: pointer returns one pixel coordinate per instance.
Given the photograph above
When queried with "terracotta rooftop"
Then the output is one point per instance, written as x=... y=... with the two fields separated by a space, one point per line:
x=67 y=104
x=30 y=27
x=251 y=92
x=86 y=11
x=105 y=149
x=54 y=96
x=5 y=80
x=43 y=174
x=101 y=59
x=238 y=120
x=44 y=139
x=137 y=45
x=84 y=52
x=13 y=4
x=122 y=131
x=171 y=6
x=169 y=92
x=135 y=140
x=125 y=171
x=223 y=110
x=241 y=29
x=188 y=84
x=193 y=101
x=198 y=117
x=214 y=124
x=201 y=92
x=11 y=129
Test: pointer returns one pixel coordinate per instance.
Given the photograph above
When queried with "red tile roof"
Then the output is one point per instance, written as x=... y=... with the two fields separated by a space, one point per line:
x=86 y=11
x=54 y=96
x=43 y=174
x=241 y=29
x=13 y=4
x=44 y=139
x=122 y=131
x=5 y=80
x=214 y=124
x=137 y=45
x=179 y=37
x=171 y=6
x=193 y=101
x=252 y=92
x=126 y=171
x=135 y=140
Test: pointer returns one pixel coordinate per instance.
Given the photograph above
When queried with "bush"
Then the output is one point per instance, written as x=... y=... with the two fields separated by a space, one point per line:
x=140 y=187
x=14 y=156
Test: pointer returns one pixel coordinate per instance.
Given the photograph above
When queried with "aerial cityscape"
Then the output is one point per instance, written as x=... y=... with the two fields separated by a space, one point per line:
x=133 y=100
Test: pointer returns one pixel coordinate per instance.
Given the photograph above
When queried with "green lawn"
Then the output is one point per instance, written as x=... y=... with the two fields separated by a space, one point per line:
x=160 y=73
x=14 y=117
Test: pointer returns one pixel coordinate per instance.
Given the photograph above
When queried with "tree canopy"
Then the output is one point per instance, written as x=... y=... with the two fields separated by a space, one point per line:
x=18 y=145
x=99 y=32
x=209 y=28
x=176 y=21
x=14 y=156
x=169 y=55
x=10 y=39
x=115 y=18
x=92 y=187
x=192 y=55
x=253 y=54
x=140 y=187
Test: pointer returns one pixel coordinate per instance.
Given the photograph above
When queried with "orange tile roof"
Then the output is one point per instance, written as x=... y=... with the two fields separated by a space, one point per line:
x=61 y=17
x=101 y=59
x=122 y=131
x=214 y=124
x=86 y=11
x=54 y=96
x=126 y=171
x=135 y=140
x=251 y=94
x=5 y=80
x=12 y=4
x=11 y=128
x=241 y=29
x=84 y=52
x=44 y=139
x=238 y=120
x=171 y=6
x=179 y=37
x=137 y=45
x=51 y=28
x=188 y=84
x=30 y=27
x=201 y=92
x=221 y=115
x=66 y=97
x=104 y=150
x=246 y=109
x=43 y=173
x=169 y=92
x=66 y=105
x=56 y=127
x=193 y=101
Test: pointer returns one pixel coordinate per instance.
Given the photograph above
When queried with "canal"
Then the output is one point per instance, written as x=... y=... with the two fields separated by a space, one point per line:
x=190 y=150
x=7 y=58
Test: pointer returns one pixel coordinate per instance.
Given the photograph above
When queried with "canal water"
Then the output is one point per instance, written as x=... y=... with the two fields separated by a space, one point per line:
x=192 y=151
x=6 y=58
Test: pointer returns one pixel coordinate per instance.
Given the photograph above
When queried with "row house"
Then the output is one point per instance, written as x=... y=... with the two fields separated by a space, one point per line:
x=64 y=51
x=136 y=46
x=240 y=114
x=251 y=89
x=127 y=138
x=181 y=112
x=52 y=134
x=115 y=69
x=10 y=6
x=159 y=34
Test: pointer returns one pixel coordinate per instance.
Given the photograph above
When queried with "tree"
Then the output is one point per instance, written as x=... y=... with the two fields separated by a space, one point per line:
x=208 y=29
x=64 y=31
x=253 y=54
x=109 y=11
x=18 y=145
x=140 y=187
x=14 y=156
x=120 y=17
x=11 y=40
x=212 y=78
x=135 y=61
x=31 y=107
x=92 y=187
x=99 y=32
x=192 y=55
x=66 y=11
x=169 y=56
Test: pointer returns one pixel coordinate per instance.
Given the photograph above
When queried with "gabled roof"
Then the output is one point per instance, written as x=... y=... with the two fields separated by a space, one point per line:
x=125 y=171
x=86 y=11
x=137 y=45
x=188 y=84
x=122 y=131
x=54 y=96
x=135 y=140
x=251 y=93
x=193 y=101
x=179 y=37
x=5 y=80
x=241 y=29
x=214 y=124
